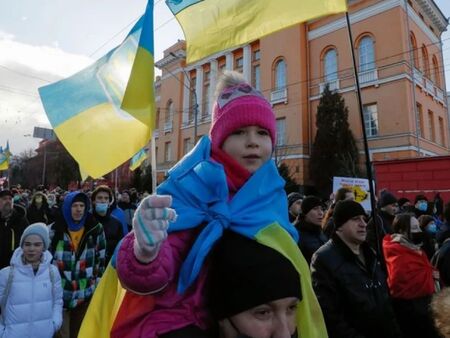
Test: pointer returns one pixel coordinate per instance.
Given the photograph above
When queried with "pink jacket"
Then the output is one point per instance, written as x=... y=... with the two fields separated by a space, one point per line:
x=172 y=311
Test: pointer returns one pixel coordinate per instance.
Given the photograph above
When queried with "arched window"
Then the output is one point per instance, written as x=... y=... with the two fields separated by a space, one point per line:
x=425 y=62
x=415 y=51
x=435 y=73
x=366 y=54
x=169 y=111
x=330 y=65
x=280 y=74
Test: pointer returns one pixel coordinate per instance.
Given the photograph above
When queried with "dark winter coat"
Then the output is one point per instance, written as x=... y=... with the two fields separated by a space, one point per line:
x=441 y=261
x=354 y=297
x=11 y=230
x=42 y=214
x=311 y=238
x=113 y=232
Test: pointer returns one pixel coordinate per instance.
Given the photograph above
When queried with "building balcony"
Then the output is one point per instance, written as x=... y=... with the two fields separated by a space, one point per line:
x=368 y=76
x=439 y=95
x=333 y=85
x=429 y=87
x=418 y=77
x=168 y=126
x=279 y=96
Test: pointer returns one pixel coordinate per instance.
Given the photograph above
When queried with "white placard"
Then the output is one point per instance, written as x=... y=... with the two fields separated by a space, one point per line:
x=360 y=187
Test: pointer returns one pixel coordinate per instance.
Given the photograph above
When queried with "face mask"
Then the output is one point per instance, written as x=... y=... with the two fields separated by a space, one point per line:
x=423 y=206
x=16 y=198
x=101 y=208
x=431 y=228
x=417 y=238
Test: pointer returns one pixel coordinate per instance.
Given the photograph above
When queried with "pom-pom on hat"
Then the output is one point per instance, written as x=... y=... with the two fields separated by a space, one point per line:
x=39 y=229
x=239 y=105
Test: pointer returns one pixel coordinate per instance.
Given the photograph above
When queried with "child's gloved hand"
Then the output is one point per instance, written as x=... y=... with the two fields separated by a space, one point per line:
x=150 y=223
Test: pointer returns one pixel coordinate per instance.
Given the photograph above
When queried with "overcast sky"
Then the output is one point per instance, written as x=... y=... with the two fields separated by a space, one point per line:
x=46 y=40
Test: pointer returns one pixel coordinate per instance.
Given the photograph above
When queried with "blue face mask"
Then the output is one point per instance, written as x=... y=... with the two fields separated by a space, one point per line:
x=423 y=206
x=431 y=228
x=16 y=198
x=101 y=208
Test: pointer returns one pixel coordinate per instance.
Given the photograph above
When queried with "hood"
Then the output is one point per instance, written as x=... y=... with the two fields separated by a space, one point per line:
x=67 y=213
x=398 y=244
x=16 y=258
x=18 y=213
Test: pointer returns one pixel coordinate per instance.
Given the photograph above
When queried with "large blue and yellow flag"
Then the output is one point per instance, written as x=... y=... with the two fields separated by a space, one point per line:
x=214 y=25
x=137 y=159
x=105 y=113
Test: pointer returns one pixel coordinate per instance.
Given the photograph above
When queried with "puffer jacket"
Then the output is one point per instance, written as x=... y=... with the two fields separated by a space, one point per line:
x=33 y=307
x=311 y=238
x=172 y=311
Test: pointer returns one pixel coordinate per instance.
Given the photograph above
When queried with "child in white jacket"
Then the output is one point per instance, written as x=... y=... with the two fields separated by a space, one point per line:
x=30 y=289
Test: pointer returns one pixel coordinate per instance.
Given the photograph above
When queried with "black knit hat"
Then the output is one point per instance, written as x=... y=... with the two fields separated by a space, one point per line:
x=309 y=203
x=420 y=198
x=245 y=274
x=6 y=192
x=294 y=197
x=81 y=197
x=386 y=198
x=346 y=210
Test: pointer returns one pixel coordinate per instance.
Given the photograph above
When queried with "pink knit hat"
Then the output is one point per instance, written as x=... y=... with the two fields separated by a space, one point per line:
x=240 y=106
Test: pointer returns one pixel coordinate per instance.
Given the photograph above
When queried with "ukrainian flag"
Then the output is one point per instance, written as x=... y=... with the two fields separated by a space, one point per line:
x=214 y=25
x=105 y=113
x=137 y=159
x=4 y=157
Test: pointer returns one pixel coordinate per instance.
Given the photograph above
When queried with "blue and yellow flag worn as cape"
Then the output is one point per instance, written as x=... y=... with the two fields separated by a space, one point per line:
x=258 y=211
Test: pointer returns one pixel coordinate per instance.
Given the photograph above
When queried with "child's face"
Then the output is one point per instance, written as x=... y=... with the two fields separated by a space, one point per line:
x=250 y=146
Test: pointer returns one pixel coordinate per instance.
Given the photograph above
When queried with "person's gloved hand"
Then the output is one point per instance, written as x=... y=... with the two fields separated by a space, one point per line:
x=150 y=223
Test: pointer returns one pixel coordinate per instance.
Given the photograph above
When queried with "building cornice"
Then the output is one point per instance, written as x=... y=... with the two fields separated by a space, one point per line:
x=379 y=8
x=171 y=58
x=434 y=13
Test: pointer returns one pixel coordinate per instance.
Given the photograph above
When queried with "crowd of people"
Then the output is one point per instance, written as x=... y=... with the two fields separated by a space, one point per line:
x=223 y=252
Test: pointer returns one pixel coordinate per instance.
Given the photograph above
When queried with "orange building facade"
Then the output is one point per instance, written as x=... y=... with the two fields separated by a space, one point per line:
x=398 y=50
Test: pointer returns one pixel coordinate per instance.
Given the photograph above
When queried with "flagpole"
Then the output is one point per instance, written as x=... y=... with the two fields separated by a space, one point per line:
x=153 y=162
x=366 y=144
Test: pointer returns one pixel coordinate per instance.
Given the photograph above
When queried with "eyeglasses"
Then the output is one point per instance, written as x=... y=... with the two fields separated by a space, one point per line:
x=235 y=92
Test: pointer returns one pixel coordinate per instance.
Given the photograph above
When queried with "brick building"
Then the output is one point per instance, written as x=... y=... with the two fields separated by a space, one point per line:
x=399 y=54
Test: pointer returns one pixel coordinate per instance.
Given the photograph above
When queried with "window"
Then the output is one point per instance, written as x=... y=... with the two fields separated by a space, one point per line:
x=366 y=54
x=280 y=74
x=371 y=119
x=281 y=131
x=420 y=118
x=192 y=100
x=187 y=145
x=330 y=66
x=157 y=118
x=414 y=50
x=222 y=68
x=425 y=62
x=168 y=152
x=256 y=55
x=431 y=131
x=239 y=64
x=435 y=77
x=256 y=78
x=442 y=131
x=169 y=111
x=205 y=107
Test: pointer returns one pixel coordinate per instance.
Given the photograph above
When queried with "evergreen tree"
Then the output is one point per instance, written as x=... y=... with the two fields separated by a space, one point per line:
x=334 y=151
x=291 y=185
